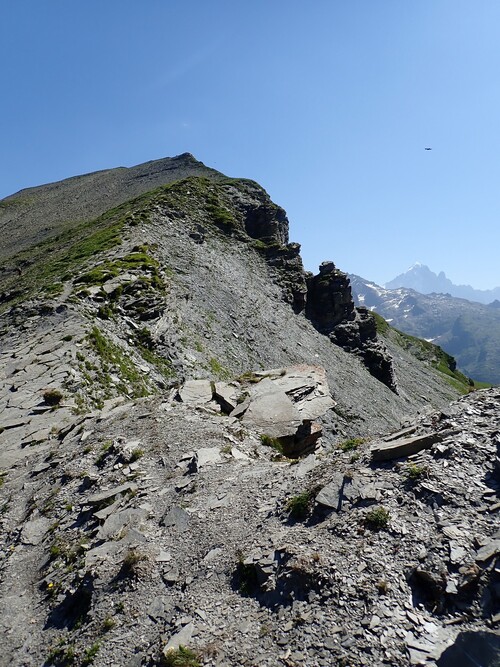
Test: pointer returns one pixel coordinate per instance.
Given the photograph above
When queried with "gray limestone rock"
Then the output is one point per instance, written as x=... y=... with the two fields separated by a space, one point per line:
x=196 y=392
x=403 y=447
x=35 y=530
x=119 y=522
x=176 y=518
x=101 y=497
x=472 y=649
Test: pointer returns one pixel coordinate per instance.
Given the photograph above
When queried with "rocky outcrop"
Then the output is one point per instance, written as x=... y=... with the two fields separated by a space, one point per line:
x=331 y=309
x=280 y=404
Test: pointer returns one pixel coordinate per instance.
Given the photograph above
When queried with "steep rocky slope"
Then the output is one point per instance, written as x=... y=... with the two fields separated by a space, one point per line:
x=137 y=515
x=35 y=214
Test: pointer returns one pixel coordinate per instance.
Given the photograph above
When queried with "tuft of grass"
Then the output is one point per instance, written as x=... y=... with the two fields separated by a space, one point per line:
x=108 y=624
x=105 y=450
x=180 y=657
x=90 y=654
x=136 y=454
x=130 y=564
x=62 y=654
x=299 y=506
x=351 y=444
x=249 y=377
x=52 y=397
x=414 y=472
x=377 y=518
x=269 y=441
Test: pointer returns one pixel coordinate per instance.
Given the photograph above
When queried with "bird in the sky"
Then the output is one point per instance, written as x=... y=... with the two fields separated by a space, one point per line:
x=427 y=149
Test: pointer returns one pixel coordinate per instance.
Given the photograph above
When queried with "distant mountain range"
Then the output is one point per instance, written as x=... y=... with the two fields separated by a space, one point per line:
x=468 y=330
x=420 y=278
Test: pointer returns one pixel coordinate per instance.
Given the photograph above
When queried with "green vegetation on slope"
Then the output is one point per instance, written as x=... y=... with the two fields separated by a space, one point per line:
x=42 y=269
x=434 y=355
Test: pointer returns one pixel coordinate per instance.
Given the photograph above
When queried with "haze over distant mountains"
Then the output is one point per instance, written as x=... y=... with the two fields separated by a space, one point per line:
x=420 y=278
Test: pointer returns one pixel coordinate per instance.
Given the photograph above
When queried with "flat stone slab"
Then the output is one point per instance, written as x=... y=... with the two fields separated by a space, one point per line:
x=207 y=455
x=176 y=518
x=307 y=387
x=488 y=550
x=115 y=523
x=102 y=496
x=181 y=638
x=272 y=411
x=196 y=392
x=331 y=494
x=34 y=531
x=395 y=449
x=226 y=395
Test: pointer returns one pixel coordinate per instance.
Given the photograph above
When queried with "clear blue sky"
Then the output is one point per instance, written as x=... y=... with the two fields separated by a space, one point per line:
x=328 y=104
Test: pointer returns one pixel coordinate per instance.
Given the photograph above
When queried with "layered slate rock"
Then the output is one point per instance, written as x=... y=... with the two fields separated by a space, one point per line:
x=331 y=309
x=398 y=447
x=281 y=404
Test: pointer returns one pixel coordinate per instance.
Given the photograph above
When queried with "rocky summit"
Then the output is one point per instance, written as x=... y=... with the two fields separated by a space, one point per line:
x=209 y=456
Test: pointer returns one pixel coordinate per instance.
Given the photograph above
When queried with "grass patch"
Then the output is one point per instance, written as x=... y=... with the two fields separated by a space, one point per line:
x=300 y=506
x=108 y=624
x=269 y=441
x=160 y=363
x=415 y=472
x=217 y=368
x=111 y=355
x=249 y=377
x=180 y=657
x=62 y=654
x=90 y=654
x=377 y=518
x=381 y=325
x=351 y=444
x=52 y=397
x=130 y=567
x=136 y=455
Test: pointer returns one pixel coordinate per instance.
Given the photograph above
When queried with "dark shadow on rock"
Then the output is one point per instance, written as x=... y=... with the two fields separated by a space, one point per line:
x=280 y=582
x=74 y=608
x=472 y=649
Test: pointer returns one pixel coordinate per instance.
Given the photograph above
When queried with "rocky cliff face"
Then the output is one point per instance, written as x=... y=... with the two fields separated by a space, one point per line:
x=160 y=365
x=330 y=308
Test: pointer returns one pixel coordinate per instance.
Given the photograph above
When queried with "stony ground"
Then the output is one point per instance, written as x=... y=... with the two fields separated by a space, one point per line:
x=159 y=522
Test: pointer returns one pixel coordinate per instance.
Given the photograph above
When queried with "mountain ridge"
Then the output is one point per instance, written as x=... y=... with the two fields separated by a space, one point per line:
x=37 y=213
x=420 y=278
x=161 y=364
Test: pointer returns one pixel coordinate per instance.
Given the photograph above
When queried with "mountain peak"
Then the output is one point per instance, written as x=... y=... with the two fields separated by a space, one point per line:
x=421 y=278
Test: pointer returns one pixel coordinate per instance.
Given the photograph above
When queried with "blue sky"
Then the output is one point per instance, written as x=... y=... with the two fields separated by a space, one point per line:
x=328 y=104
